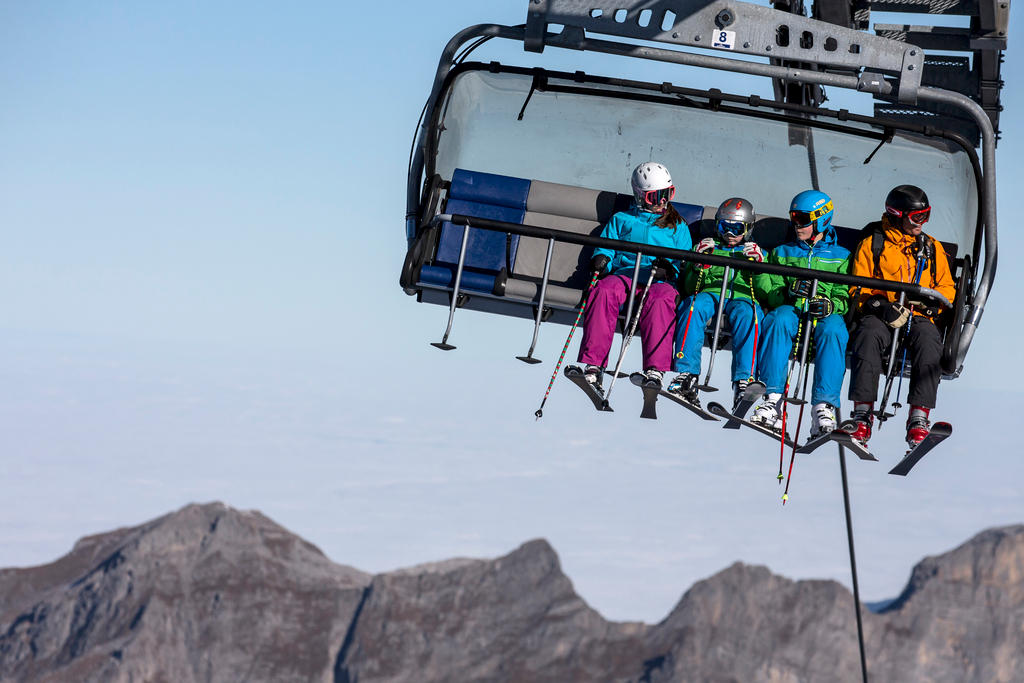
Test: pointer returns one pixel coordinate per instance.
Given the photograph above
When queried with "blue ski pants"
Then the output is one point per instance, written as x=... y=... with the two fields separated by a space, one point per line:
x=829 y=336
x=739 y=313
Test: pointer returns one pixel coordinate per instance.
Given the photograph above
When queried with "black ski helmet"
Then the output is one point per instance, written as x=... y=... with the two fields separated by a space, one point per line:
x=903 y=200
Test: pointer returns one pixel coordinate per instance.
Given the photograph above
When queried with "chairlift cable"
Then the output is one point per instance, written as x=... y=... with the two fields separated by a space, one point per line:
x=853 y=564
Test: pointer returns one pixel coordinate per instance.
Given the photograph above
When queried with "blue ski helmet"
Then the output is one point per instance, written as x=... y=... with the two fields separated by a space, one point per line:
x=813 y=208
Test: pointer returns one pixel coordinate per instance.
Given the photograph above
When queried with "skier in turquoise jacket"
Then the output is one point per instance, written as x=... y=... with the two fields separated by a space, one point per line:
x=788 y=298
x=652 y=220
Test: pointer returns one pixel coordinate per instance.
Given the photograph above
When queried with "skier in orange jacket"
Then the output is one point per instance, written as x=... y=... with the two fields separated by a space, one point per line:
x=907 y=255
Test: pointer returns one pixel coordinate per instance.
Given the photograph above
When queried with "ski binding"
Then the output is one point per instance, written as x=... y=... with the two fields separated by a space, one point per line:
x=594 y=392
x=754 y=391
x=651 y=392
x=841 y=436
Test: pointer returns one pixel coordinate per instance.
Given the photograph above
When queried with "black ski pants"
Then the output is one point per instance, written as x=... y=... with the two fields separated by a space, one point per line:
x=869 y=346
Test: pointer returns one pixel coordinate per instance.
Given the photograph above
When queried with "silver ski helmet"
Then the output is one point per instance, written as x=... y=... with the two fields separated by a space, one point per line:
x=735 y=216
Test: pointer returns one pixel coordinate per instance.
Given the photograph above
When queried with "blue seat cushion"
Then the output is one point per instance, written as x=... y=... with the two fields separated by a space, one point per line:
x=488 y=188
x=485 y=249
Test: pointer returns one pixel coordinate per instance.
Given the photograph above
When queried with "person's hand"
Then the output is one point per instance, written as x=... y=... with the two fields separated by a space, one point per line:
x=800 y=289
x=705 y=246
x=599 y=263
x=892 y=314
x=753 y=252
x=663 y=270
x=820 y=307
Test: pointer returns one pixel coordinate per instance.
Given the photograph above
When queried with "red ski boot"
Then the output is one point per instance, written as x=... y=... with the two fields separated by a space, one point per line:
x=859 y=426
x=917 y=430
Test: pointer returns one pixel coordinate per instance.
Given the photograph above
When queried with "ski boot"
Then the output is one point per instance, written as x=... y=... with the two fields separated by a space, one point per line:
x=684 y=385
x=738 y=387
x=767 y=413
x=859 y=426
x=824 y=419
x=652 y=378
x=917 y=430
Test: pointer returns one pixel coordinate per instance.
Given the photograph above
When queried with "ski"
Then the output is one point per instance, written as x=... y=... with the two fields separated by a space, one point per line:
x=719 y=410
x=637 y=379
x=843 y=438
x=815 y=443
x=594 y=393
x=936 y=435
x=754 y=391
x=651 y=391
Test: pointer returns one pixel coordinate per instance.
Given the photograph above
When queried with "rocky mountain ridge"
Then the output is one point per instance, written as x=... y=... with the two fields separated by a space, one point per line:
x=210 y=593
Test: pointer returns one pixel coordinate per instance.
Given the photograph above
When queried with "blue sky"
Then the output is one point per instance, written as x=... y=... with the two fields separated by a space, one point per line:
x=202 y=216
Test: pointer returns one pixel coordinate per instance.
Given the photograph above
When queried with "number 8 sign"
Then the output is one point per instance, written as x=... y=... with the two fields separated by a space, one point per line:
x=725 y=40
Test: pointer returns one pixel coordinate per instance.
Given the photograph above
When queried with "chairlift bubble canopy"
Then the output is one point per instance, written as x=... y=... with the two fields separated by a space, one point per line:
x=515 y=170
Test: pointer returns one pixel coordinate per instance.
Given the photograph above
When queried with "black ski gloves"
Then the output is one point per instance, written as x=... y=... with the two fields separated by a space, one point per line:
x=599 y=263
x=893 y=315
x=663 y=270
x=820 y=307
x=800 y=289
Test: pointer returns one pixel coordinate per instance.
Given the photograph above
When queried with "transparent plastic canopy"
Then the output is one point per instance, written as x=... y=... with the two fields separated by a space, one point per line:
x=595 y=140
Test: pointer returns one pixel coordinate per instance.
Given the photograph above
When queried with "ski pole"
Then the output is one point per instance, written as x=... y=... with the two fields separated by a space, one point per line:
x=583 y=307
x=785 y=395
x=807 y=337
x=753 y=305
x=799 y=421
x=922 y=259
x=689 y=316
x=897 y=341
x=629 y=338
x=718 y=328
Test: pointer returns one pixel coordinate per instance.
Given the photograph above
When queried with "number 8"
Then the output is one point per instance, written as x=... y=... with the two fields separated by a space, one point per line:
x=722 y=37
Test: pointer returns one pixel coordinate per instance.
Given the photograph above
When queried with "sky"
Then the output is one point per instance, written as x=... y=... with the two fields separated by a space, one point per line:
x=201 y=210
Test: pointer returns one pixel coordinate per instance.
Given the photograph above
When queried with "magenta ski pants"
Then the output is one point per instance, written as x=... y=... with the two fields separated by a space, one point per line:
x=656 y=326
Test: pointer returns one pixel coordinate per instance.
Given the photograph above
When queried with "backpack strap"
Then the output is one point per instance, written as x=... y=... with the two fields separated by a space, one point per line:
x=877 y=243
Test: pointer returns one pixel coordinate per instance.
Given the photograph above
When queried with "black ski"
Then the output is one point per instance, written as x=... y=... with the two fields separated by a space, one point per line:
x=754 y=391
x=815 y=443
x=936 y=435
x=843 y=438
x=719 y=410
x=594 y=393
x=637 y=379
x=651 y=391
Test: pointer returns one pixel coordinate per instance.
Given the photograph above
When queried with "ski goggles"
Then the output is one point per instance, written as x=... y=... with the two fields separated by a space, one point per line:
x=732 y=228
x=917 y=217
x=655 y=197
x=802 y=219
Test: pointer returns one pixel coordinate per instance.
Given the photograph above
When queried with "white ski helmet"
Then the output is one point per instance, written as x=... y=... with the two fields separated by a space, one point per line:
x=651 y=183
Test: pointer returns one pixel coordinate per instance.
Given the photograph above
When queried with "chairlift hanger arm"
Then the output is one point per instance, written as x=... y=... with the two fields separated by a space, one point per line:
x=917 y=292
x=746 y=28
